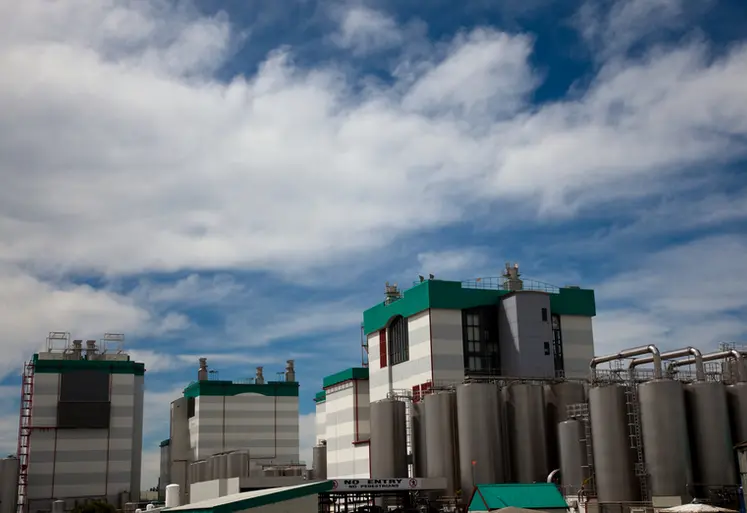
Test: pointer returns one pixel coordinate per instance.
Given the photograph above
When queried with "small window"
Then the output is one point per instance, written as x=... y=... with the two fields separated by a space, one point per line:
x=547 y=348
x=382 y=349
x=544 y=315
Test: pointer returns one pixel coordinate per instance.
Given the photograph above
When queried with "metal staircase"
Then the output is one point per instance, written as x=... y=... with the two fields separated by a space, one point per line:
x=24 y=434
x=636 y=440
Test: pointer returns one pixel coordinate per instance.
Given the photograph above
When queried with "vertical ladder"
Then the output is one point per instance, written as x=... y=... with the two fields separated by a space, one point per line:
x=24 y=435
x=580 y=412
x=634 y=435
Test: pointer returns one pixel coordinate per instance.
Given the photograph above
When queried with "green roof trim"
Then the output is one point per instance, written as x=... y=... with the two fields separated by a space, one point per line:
x=165 y=443
x=450 y=295
x=346 y=375
x=320 y=397
x=110 y=366
x=224 y=388
x=256 y=499
x=528 y=496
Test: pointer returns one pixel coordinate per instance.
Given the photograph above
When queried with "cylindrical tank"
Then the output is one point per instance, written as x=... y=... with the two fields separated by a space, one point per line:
x=223 y=466
x=418 y=434
x=614 y=461
x=737 y=396
x=8 y=484
x=441 y=441
x=203 y=473
x=320 y=461
x=58 y=506
x=665 y=440
x=238 y=464
x=480 y=436
x=214 y=463
x=388 y=439
x=710 y=434
x=527 y=435
x=192 y=473
x=558 y=396
x=573 y=461
x=172 y=495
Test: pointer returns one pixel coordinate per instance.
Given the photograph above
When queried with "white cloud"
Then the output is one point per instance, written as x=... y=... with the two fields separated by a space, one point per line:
x=364 y=31
x=457 y=264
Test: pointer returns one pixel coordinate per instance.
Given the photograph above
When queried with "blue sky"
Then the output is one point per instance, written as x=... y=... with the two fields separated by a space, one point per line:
x=237 y=180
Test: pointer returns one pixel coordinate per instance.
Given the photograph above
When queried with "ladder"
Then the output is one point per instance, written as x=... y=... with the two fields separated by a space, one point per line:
x=24 y=435
x=636 y=440
x=580 y=412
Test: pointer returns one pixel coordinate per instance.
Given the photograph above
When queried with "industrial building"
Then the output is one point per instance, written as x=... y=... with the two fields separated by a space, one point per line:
x=229 y=437
x=81 y=425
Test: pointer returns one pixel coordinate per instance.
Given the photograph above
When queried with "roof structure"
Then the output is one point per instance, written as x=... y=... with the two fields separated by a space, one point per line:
x=223 y=388
x=346 y=375
x=42 y=365
x=528 y=496
x=254 y=499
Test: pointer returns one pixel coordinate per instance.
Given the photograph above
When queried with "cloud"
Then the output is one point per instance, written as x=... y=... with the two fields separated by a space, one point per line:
x=455 y=264
x=364 y=31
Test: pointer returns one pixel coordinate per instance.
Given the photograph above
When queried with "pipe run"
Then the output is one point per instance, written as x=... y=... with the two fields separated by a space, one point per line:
x=738 y=357
x=629 y=353
x=697 y=358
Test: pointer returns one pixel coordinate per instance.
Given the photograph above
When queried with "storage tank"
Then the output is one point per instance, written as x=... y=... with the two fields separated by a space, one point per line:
x=441 y=440
x=203 y=473
x=737 y=397
x=238 y=464
x=558 y=396
x=574 y=468
x=214 y=464
x=320 y=461
x=388 y=439
x=8 y=484
x=480 y=436
x=665 y=440
x=614 y=460
x=418 y=434
x=223 y=466
x=710 y=435
x=527 y=435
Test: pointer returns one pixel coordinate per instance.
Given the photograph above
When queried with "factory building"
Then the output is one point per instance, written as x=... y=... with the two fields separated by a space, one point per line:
x=81 y=424
x=228 y=436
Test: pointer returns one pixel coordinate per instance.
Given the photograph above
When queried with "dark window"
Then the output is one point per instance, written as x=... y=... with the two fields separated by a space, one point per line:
x=84 y=386
x=399 y=341
x=83 y=415
x=382 y=349
x=480 y=341
x=557 y=346
x=544 y=315
x=190 y=407
x=547 y=348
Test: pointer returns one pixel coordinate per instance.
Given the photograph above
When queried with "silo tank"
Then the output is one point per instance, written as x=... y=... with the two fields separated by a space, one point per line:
x=214 y=463
x=441 y=440
x=388 y=439
x=558 y=396
x=737 y=396
x=223 y=468
x=419 y=451
x=710 y=435
x=665 y=440
x=574 y=468
x=320 y=461
x=480 y=436
x=203 y=473
x=614 y=461
x=238 y=464
x=527 y=435
x=8 y=484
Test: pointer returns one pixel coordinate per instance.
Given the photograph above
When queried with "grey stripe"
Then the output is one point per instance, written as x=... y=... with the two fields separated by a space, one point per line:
x=92 y=479
x=81 y=456
x=260 y=443
x=420 y=335
x=253 y=412
x=116 y=411
x=91 y=434
x=446 y=331
x=237 y=430
x=126 y=389
x=51 y=389
x=347 y=415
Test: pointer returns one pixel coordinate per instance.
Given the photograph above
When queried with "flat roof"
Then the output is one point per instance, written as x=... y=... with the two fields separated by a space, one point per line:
x=346 y=375
x=223 y=388
x=111 y=366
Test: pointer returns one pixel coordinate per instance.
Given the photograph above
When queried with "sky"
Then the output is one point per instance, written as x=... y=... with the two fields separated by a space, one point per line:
x=238 y=180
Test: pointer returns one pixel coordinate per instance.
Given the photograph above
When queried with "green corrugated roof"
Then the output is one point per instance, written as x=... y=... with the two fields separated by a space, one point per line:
x=165 y=443
x=451 y=295
x=346 y=375
x=529 y=496
x=224 y=388
x=320 y=397
x=110 y=366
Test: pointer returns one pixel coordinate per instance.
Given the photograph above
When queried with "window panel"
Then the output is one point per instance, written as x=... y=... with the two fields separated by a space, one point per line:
x=399 y=343
x=480 y=341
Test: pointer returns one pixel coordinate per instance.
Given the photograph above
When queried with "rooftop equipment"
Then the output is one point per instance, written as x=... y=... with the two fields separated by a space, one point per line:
x=290 y=371
x=260 y=378
x=511 y=278
x=629 y=353
x=90 y=349
x=202 y=372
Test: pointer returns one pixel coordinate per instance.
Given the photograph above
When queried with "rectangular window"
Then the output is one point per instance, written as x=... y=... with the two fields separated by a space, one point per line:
x=547 y=348
x=382 y=349
x=399 y=341
x=416 y=393
x=480 y=341
x=557 y=347
x=544 y=315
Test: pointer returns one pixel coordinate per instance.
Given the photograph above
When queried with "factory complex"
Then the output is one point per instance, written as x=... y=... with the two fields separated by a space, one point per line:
x=470 y=396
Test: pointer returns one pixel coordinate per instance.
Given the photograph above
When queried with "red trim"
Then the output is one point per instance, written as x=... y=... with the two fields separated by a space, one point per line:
x=361 y=442
x=416 y=393
x=382 y=348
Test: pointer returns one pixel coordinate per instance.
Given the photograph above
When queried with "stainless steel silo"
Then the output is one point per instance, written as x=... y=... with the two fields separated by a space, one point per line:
x=388 y=439
x=418 y=434
x=527 y=435
x=214 y=464
x=320 y=461
x=238 y=464
x=223 y=466
x=737 y=396
x=480 y=436
x=665 y=438
x=558 y=396
x=614 y=460
x=203 y=472
x=710 y=435
x=441 y=441
x=574 y=468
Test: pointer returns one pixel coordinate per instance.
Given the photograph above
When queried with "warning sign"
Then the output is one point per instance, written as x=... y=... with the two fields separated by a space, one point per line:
x=383 y=485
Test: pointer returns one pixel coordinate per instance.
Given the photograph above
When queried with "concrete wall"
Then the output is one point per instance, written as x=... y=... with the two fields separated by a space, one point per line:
x=308 y=504
x=207 y=490
x=347 y=415
x=180 y=452
x=523 y=335
x=578 y=344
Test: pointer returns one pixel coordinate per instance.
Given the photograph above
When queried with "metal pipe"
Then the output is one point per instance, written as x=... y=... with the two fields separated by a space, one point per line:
x=629 y=353
x=697 y=356
x=719 y=355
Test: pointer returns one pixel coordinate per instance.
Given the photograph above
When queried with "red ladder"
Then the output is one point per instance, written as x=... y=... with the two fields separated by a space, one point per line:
x=24 y=434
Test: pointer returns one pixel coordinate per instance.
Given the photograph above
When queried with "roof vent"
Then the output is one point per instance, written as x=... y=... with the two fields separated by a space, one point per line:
x=511 y=277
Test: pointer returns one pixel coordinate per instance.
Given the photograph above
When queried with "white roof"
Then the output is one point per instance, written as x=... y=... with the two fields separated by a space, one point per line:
x=695 y=507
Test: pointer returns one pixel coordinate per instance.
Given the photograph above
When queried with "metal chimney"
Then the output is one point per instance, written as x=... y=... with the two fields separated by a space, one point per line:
x=260 y=379
x=512 y=280
x=90 y=349
x=202 y=372
x=290 y=371
x=77 y=349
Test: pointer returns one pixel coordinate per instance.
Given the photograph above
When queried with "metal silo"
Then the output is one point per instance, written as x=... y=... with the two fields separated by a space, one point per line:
x=737 y=396
x=614 y=470
x=419 y=451
x=665 y=439
x=710 y=435
x=441 y=441
x=558 y=396
x=238 y=464
x=527 y=435
x=214 y=465
x=203 y=472
x=574 y=469
x=320 y=461
x=388 y=439
x=480 y=436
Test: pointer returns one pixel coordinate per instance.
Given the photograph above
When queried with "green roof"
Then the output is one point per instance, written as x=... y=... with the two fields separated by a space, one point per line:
x=224 y=388
x=451 y=295
x=165 y=443
x=320 y=397
x=529 y=496
x=110 y=366
x=346 y=375
x=255 y=498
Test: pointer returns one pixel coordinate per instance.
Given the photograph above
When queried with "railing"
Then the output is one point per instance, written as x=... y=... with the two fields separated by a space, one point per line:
x=501 y=283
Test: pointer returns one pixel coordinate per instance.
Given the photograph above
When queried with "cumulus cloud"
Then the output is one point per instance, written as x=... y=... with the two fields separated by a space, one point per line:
x=363 y=30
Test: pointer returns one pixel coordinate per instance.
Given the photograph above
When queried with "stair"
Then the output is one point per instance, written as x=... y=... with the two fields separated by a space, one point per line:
x=24 y=435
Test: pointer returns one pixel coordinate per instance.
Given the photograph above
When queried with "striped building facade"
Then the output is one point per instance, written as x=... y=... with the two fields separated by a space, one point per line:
x=87 y=430
x=320 y=417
